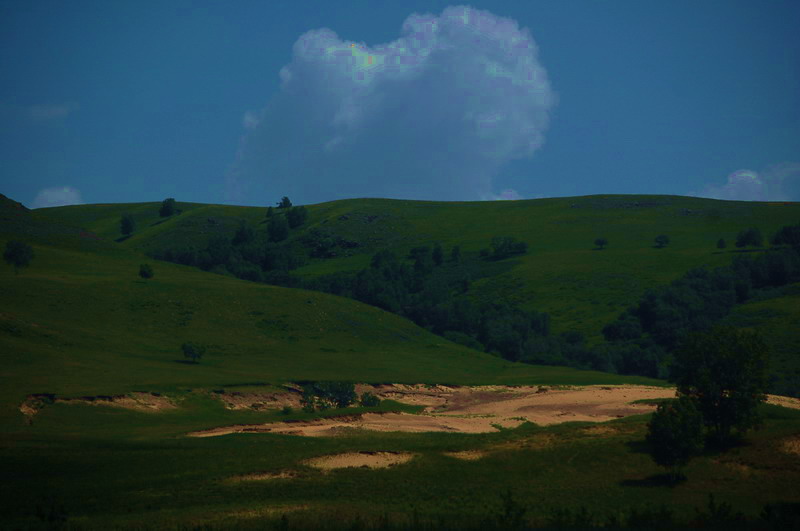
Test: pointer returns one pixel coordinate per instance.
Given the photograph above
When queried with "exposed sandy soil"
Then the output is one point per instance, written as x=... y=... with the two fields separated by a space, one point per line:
x=264 y=476
x=476 y=409
x=138 y=401
x=472 y=409
x=360 y=460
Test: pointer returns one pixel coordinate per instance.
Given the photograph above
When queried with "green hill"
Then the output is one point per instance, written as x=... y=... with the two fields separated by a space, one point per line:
x=580 y=287
x=80 y=321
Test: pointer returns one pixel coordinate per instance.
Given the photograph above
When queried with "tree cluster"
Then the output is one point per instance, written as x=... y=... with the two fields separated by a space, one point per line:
x=325 y=395
x=641 y=340
x=721 y=378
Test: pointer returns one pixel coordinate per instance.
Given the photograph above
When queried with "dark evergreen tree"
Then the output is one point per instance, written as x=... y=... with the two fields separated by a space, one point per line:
x=284 y=203
x=601 y=242
x=721 y=244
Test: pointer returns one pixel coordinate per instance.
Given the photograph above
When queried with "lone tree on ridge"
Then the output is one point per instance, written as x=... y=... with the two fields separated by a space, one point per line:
x=167 y=207
x=601 y=242
x=19 y=254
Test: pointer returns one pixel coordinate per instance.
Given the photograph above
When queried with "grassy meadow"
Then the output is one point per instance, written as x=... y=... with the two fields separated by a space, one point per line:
x=81 y=322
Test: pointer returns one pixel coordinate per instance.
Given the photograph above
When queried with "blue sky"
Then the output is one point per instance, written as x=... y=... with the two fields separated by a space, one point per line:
x=246 y=101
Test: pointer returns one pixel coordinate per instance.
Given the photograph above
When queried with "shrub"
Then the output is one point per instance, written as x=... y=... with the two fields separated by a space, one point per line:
x=748 y=237
x=146 y=271
x=675 y=434
x=369 y=400
x=661 y=240
x=127 y=224
x=18 y=254
x=193 y=351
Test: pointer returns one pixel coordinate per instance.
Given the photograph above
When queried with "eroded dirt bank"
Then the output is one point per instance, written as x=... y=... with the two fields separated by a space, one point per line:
x=473 y=409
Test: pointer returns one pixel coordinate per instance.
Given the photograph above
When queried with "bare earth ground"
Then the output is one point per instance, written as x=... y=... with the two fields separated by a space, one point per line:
x=472 y=409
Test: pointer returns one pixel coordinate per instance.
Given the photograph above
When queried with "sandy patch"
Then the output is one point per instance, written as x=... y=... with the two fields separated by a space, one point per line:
x=138 y=401
x=482 y=409
x=478 y=409
x=360 y=460
x=468 y=455
x=259 y=401
x=264 y=476
x=791 y=446
x=785 y=401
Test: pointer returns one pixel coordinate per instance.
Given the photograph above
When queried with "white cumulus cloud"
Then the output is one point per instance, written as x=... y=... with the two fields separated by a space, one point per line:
x=434 y=114
x=58 y=196
x=779 y=182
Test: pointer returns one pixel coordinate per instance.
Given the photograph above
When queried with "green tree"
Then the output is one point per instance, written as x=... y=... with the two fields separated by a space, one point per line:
x=748 y=237
x=284 y=203
x=244 y=234
x=127 y=224
x=269 y=212
x=787 y=235
x=193 y=351
x=146 y=271
x=662 y=240
x=369 y=400
x=725 y=371
x=721 y=244
x=167 y=207
x=278 y=229
x=675 y=434
x=438 y=254
x=296 y=216
x=19 y=254
x=601 y=242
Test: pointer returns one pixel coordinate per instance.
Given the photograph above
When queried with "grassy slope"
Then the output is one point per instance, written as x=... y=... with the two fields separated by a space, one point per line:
x=79 y=321
x=580 y=287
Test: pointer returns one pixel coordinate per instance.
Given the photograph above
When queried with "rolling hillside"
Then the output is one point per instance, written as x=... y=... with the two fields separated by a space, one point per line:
x=79 y=320
x=580 y=287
